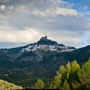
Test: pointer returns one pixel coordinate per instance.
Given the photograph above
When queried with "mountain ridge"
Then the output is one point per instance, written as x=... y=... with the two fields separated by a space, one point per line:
x=47 y=44
x=39 y=62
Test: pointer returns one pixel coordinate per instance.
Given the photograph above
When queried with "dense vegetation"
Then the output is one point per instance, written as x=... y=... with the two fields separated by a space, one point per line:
x=29 y=66
x=69 y=77
x=8 y=86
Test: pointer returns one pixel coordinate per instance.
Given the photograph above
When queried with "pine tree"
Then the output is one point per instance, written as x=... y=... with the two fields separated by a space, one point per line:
x=84 y=75
x=56 y=83
x=66 y=76
x=66 y=86
x=39 y=84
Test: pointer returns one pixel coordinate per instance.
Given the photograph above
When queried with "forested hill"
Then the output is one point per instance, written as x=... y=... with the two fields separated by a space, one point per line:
x=40 y=59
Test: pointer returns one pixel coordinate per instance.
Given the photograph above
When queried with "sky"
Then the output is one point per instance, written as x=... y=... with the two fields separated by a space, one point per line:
x=26 y=21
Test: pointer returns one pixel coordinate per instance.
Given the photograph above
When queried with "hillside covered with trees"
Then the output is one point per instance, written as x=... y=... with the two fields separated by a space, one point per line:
x=69 y=77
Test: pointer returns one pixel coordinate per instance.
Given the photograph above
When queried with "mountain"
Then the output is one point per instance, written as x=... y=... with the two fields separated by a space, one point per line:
x=33 y=52
x=47 y=45
x=40 y=59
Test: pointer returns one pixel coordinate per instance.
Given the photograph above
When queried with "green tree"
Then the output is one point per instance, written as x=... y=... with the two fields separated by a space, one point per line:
x=68 y=70
x=66 y=75
x=65 y=86
x=56 y=83
x=39 y=84
x=75 y=66
x=84 y=75
x=74 y=78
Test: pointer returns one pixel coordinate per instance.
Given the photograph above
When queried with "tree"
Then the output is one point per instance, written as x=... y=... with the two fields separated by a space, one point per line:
x=75 y=66
x=66 y=86
x=66 y=77
x=39 y=84
x=74 y=78
x=68 y=69
x=56 y=83
x=84 y=75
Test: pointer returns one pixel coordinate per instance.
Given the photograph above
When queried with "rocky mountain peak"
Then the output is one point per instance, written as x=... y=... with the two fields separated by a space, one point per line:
x=44 y=38
x=46 y=44
x=46 y=41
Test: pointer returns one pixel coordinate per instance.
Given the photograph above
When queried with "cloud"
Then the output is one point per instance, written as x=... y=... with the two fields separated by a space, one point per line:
x=15 y=36
x=65 y=37
x=2 y=7
x=30 y=35
x=88 y=13
x=41 y=7
x=51 y=8
x=4 y=1
x=55 y=12
x=60 y=31
x=25 y=21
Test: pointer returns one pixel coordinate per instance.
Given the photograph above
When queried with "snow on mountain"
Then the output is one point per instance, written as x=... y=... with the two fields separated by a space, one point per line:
x=47 y=45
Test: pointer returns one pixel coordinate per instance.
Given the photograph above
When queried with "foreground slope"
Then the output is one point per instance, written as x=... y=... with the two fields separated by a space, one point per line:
x=8 y=86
